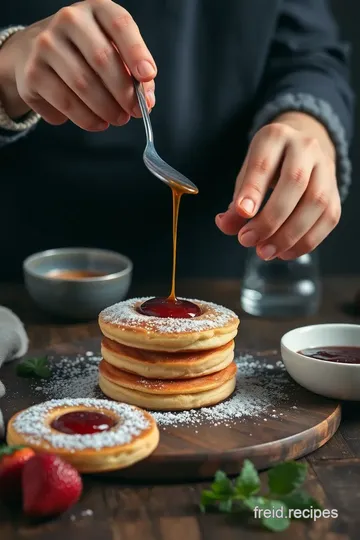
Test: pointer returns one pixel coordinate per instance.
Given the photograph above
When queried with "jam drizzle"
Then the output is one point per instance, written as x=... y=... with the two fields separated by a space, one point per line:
x=83 y=423
x=171 y=306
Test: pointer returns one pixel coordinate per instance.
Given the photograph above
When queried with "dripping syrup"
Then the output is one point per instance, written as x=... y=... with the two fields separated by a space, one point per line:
x=171 y=306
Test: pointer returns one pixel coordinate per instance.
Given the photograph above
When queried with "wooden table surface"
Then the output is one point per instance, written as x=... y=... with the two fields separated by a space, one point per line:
x=110 y=510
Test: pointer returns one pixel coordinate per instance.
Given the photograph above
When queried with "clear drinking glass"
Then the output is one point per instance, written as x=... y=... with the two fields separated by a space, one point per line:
x=281 y=288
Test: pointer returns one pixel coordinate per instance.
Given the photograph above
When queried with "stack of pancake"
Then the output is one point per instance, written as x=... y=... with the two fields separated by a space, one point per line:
x=166 y=363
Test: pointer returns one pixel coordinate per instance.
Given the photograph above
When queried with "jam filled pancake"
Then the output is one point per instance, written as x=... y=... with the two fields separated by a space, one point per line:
x=164 y=365
x=160 y=394
x=94 y=435
x=124 y=323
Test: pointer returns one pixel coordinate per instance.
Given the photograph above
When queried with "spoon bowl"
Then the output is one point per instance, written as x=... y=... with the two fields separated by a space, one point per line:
x=154 y=163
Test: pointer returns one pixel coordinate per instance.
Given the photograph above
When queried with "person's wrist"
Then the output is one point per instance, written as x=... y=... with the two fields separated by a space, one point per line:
x=310 y=126
x=10 y=99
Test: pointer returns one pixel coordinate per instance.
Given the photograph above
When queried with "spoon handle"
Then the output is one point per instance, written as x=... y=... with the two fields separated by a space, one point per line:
x=144 y=110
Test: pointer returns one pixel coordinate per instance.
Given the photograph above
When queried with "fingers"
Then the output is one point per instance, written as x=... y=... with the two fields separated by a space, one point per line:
x=103 y=59
x=121 y=28
x=230 y=222
x=309 y=210
x=294 y=178
x=83 y=81
x=304 y=206
x=51 y=89
x=91 y=47
x=47 y=112
x=315 y=236
x=265 y=154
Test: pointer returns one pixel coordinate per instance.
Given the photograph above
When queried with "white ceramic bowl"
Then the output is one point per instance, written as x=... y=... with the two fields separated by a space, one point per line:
x=330 y=379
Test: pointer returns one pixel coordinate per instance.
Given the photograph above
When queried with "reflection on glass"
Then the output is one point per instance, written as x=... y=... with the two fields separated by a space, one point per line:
x=281 y=288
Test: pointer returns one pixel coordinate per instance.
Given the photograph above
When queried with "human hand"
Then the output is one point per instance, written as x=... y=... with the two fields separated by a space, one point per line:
x=294 y=156
x=76 y=65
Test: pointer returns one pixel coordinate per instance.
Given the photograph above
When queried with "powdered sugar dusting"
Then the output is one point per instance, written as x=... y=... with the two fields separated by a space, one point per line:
x=33 y=423
x=126 y=315
x=74 y=377
x=261 y=387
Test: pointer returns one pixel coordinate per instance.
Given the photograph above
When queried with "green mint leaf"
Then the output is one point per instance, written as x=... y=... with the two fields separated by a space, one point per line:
x=43 y=372
x=222 y=485
x=286 y=477
x=34 y=367
x=208 y=498
x=24 y=370
x=273 y=516
x=226 y=506
x=248 y=481
x=253 y=502
x=300 y=500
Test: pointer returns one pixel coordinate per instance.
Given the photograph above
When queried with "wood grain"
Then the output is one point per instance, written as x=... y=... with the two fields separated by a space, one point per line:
x=195 y=452
x=125 y=511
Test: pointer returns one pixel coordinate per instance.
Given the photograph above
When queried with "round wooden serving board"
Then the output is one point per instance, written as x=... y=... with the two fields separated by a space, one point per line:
x=302 y=423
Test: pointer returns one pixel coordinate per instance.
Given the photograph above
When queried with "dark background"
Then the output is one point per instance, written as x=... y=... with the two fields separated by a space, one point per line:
x=340 y=253
x=199 y=254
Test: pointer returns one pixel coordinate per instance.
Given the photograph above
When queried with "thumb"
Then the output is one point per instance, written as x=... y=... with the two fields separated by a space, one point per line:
x=230 y=222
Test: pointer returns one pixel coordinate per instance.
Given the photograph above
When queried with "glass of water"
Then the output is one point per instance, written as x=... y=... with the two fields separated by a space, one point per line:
x=281 y=288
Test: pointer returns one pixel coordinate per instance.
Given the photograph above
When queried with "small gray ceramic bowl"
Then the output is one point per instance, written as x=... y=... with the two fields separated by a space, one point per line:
x=77 y=298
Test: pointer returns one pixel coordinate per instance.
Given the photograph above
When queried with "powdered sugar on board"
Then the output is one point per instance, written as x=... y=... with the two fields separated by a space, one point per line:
x=261 y=387
x=33 y=423
x=73 y=377
x=125 y=314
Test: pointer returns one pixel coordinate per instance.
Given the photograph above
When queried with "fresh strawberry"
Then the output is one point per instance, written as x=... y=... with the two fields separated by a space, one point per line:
x=50 y=486
x=12 y=461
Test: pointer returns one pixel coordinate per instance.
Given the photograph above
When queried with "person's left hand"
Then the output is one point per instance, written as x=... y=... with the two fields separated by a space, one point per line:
x=295 y=156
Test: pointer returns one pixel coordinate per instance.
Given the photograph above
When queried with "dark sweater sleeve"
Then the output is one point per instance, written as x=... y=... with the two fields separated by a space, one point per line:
x=308 y=71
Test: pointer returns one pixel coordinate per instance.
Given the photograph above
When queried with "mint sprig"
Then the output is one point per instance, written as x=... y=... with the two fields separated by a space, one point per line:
x=243 y=493
x=34 y=367
x=286 y=477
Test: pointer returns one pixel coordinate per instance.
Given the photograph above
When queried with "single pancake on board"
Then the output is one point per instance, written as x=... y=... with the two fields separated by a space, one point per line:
x=164 y=365
x=160 y=394
x=130 y=436
x=213 y=328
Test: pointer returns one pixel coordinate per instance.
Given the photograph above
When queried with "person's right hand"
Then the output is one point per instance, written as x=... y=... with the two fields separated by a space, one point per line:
x=75 y=65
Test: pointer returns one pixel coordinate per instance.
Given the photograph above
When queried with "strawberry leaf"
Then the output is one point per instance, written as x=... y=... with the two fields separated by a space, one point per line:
x=9 y=450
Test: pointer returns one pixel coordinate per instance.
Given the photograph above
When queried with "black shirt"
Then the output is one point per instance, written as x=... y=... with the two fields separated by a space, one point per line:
x=218 y=66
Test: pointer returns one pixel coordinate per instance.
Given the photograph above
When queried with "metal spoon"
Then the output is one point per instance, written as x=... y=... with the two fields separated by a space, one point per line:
x=152 y=160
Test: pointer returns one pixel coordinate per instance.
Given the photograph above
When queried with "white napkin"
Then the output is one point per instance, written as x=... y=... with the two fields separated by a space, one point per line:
x=14 y=343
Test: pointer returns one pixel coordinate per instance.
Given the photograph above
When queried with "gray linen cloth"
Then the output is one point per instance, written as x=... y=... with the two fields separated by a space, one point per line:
x=14 y=343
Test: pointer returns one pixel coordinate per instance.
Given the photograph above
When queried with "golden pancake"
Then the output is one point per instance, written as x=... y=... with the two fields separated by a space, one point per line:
x=131 y=435
x=123 y=323
x=165 y=386
x=164 y=365
x=168 y=402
